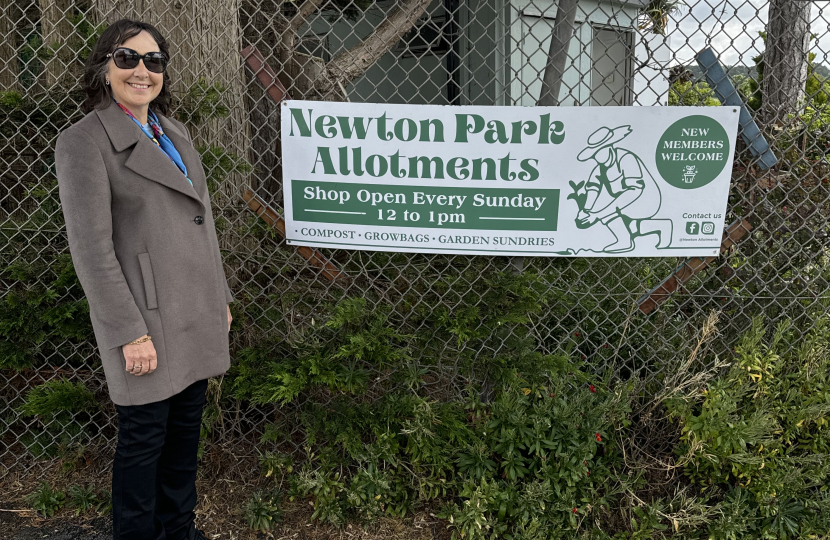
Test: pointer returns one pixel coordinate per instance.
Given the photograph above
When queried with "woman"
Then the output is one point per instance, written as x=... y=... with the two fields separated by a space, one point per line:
x=143 y=242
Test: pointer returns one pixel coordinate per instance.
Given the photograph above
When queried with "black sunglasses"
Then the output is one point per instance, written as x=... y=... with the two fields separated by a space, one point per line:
x=125 y=58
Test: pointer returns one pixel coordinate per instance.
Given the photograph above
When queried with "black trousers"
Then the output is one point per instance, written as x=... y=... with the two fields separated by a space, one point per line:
x=154 y=472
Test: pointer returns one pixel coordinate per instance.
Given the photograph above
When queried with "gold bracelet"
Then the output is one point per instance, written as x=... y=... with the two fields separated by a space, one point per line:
x=140 y=340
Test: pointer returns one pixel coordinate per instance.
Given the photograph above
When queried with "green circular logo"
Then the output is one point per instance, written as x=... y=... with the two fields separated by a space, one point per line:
x=692 y=152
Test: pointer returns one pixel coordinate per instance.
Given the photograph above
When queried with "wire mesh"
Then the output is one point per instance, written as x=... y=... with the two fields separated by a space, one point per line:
x=451 y=52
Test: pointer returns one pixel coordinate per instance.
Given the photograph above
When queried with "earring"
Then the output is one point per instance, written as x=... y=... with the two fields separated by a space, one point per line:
x=108 y=82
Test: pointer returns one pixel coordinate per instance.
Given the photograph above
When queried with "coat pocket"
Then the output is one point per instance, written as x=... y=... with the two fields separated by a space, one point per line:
x=149 y=282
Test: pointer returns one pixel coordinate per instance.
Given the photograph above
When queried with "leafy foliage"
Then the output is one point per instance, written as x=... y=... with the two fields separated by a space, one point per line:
x=262 y=511
x=85 y=498
x=219 y=164
x=45 y=501
x=57 y=397
x=760 y=433
x=338 y=356
x=63 y=411
x=655 y=14
x=690 y=94
x=540 y=453
x=535 y=451
x=201 y=102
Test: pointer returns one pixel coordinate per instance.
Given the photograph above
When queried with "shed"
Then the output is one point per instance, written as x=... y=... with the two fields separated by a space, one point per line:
x=493 y=52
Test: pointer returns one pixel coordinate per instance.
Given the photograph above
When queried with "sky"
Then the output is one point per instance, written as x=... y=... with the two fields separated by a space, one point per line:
x=733 y=26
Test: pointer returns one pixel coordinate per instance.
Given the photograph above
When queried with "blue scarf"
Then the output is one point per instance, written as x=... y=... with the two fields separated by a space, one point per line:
x=158 y=137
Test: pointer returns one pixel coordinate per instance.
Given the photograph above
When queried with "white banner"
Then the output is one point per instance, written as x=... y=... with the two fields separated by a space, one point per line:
x=549 y=181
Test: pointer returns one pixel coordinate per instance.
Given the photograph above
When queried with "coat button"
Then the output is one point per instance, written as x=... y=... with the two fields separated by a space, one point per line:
x=199 y=220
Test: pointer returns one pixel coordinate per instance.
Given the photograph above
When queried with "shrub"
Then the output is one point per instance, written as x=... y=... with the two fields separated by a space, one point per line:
x=760 y=435
x=63 y=411
x=688 y=94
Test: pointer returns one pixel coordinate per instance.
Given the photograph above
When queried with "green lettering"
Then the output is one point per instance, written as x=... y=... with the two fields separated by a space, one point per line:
x=411 y=129
x=529 y=128
x=551 y=133
x=496 y=132
x=324 y=126
x=460 y=163
x=426 y=169
x=356 y=126
x=439 y=131
x=504 y=168
x=491 y=168
x=529 y=171
x=395 y=167
x=382 y=133
x=380 y=169
x=302 y=125
x=324 y=157
x=357 y=159
x=557 y=132
x=343 y=152
x=462 y=127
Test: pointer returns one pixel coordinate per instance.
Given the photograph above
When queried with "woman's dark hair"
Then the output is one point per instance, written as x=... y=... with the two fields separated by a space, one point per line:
x=98 y=93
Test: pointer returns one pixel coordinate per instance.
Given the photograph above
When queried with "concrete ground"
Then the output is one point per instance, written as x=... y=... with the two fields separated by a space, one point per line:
x=96 y=529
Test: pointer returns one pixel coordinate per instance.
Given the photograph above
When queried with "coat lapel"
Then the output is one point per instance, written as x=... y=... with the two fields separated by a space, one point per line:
x=146 y=158
x=190 y=156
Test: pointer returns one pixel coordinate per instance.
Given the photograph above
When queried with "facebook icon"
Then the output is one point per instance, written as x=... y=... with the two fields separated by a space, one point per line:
x=692 y=228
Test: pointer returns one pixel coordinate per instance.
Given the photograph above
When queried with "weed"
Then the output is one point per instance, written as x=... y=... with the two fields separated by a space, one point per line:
x=262 y=511
x=46 y=502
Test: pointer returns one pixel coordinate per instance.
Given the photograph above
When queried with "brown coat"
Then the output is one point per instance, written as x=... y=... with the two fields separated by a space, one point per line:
x=144 y=246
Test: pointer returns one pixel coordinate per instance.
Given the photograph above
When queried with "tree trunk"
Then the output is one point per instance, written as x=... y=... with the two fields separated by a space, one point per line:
x=561 y=34
x=563 y=31
x=205 y=39
x=785 y=58
x=353 y=63
x=8 y=47
x=56 y=30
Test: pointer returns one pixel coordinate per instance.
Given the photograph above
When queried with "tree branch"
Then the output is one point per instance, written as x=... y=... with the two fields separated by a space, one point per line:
x=353 y=63
x=291 y=34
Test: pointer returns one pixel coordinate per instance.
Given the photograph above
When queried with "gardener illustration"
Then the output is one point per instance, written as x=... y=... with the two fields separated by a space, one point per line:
x=620 y=193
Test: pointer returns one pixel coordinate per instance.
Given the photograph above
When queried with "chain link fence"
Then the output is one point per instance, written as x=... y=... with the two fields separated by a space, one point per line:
x=484 y=52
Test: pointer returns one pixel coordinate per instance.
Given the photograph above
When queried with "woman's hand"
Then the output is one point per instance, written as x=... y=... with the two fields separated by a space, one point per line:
x=140 y=357
x=230 y=318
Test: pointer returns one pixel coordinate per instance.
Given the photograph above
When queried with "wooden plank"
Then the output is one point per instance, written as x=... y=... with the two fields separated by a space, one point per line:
x=272 y=218
x=266 y=76
x=684 y=272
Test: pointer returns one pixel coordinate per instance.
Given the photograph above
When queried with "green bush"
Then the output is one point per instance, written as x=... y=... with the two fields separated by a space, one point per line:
x=761 y=435
x=45 y=301
x=541 y=458
x=540 y=445
x=58 y=398
x=541 y=452
x=690 y=94
x=807 y=140
x=63 y=410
